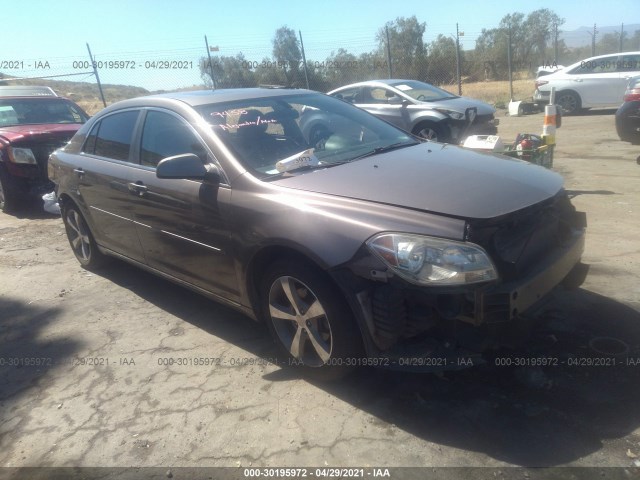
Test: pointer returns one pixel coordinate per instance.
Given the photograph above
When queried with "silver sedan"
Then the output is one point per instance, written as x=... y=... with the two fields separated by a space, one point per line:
x=421 y=108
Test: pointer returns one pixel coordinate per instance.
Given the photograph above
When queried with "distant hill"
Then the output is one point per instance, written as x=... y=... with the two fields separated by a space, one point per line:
x=84 y=94
x=582 y=36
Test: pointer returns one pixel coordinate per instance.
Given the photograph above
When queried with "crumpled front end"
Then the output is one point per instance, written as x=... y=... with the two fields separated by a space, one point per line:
x=533 y=250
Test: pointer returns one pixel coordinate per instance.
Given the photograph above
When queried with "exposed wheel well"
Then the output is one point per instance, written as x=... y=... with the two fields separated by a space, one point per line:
x=65 y=200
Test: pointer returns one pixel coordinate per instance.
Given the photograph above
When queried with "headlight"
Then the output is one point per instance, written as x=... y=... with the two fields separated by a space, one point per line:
x=22 y=155
x=433 y=261
x=451 y=113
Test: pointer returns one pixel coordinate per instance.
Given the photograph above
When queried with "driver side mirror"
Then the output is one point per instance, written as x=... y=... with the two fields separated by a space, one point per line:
x=187 y=166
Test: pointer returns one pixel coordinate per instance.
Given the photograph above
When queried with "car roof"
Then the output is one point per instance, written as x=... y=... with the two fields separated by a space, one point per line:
x=385 y=81
x=195 y=98
x=26 y=91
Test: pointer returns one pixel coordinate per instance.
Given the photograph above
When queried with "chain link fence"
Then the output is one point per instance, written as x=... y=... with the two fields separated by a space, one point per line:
x=451 y=61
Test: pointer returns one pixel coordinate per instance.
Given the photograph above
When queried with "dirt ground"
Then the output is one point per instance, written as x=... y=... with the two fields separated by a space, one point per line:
x=92 y=386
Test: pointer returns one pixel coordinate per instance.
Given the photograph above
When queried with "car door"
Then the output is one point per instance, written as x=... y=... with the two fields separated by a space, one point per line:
x=181 y=223
x=102 y=179
x=597 y=81
x=385 y=104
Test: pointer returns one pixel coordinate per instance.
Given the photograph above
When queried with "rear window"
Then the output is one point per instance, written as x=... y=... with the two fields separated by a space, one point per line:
x=111 y=137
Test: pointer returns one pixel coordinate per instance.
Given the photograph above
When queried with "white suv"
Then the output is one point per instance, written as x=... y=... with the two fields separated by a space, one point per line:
x=595 y=82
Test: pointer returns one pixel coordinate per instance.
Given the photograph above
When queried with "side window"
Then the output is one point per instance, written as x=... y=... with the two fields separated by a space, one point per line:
x=350 y=95
x=594 y=67
x=90 y=142
x=164 y=136
x=113 y=139
x=380 y=95
x=629 y=63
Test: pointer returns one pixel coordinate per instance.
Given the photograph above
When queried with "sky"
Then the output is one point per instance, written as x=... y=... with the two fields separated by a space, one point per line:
x=49 y=37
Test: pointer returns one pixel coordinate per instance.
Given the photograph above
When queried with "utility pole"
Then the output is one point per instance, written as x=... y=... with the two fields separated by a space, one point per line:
x=95 y=72
x=593 y=41
x=386 y=28
x=509 y=62
x=458 y=33
x=555 y=43
x=215 y=49
x=304 y=60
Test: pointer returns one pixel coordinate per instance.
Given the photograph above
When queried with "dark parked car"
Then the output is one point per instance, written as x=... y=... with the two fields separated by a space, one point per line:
x=34 y=121
x=422 y=109
x=628 y=115
x=357 y=249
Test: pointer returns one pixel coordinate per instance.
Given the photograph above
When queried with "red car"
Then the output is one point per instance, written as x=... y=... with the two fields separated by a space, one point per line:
x=34 y=122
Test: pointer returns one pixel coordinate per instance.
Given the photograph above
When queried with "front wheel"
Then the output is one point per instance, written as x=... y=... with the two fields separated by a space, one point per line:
x=9 y=198
x=81 y=239
x=310 y=319
x=429 y=131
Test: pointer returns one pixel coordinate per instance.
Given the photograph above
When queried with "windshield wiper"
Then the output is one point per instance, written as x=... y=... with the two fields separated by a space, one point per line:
x=306 y=168
x=388 y=148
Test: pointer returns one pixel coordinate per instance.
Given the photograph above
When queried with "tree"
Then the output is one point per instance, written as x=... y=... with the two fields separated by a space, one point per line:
x=286 y=51
x=634 y=42
x=442 y=60
x=230 y=72
x=491 y=54
x=408 y=53
x=531 y=37
x=341 y=68
x=539 y=30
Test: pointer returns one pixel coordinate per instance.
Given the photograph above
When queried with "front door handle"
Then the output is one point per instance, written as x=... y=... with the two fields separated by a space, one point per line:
x=138 y=188
x=79 y=172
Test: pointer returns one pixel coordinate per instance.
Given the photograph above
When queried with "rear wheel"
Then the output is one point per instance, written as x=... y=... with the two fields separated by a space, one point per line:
x=569 y=101
x=81 y=239
x=310 y=320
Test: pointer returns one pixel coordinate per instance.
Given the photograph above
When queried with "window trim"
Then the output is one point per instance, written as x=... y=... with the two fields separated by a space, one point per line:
x=98 y=124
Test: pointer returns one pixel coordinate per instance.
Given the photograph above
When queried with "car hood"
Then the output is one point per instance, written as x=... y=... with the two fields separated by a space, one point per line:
x=437 y=178
x=40 y=132
x=460 y=104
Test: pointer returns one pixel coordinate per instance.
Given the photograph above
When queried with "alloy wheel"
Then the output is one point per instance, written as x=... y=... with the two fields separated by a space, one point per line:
x=300 y=321
x=79 y=236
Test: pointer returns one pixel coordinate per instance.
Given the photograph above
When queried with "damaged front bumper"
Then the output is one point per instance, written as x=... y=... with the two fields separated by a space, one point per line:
x=504 y=302
x=434 y=329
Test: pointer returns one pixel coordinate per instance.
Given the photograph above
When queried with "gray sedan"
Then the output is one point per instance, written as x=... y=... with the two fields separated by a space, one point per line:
x=366 y=247
x=421 y=109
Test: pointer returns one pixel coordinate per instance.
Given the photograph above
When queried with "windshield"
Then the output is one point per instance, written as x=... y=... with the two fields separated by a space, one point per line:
x=34 y=111
x=422 y=91
x=275 y=135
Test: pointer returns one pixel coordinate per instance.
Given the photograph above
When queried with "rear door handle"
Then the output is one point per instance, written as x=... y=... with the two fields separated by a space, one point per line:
x=138 y=188
x=79 y=172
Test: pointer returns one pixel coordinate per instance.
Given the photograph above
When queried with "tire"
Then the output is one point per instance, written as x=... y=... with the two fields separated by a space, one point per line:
x=569 y=101
x=81 y=239
x=429 y=131
x=9 y=198
x=310 y=320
